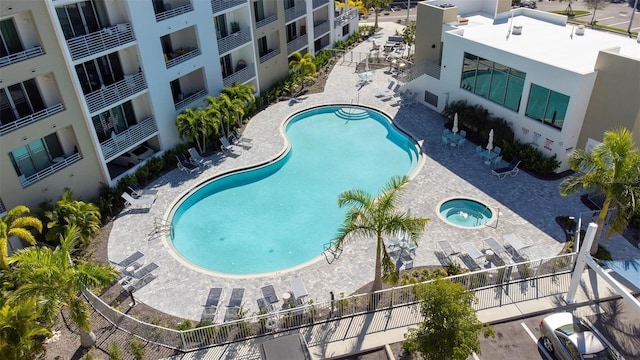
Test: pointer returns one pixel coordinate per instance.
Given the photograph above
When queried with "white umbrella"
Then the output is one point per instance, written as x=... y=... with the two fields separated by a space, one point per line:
x=490 y=144
x=455 y=123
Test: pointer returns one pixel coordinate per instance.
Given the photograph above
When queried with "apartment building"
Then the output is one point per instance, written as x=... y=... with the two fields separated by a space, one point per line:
x=560 y=86
x=86 y=83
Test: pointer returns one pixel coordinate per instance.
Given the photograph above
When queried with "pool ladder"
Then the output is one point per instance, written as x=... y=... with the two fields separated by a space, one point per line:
x=161 y=227
x=331 y=251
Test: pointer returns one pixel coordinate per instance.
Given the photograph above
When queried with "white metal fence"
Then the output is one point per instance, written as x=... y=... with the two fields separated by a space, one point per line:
x=493 y=287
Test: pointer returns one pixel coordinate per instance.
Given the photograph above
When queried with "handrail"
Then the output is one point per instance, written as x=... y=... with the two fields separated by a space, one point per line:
x=101 y=40
x=50 y=170
x=196 y=95
x=182 y=58
x=20 y=56
x=116 y=145
x=222 y=5
x=297 y=43
x=318 y=3
x=266 y=20
x=343 y=19
x=30 y=119
x=109 y=95
x=174 y=12
x=234 y=40
x=241 y=76
x=295 y=12
x=321 y=29
x=269 y=55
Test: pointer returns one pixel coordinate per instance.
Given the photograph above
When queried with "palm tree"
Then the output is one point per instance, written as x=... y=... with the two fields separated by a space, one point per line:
x=19 y=329
x=377 y=5
x=51 y=277
x=244 y=92
x=613 y=170
x=15 y=223
x=379 y=217
x=303 y=65
x=218 y=109
x=67 y=212
x=196 y=125
x=235 y=108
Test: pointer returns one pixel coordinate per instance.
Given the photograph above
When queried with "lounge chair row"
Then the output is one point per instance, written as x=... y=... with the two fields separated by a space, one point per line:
x=512 y=247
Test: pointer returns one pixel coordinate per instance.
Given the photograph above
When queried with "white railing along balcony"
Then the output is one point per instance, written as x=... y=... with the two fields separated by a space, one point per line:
x=190 y=98
x=126 y=139
x=100 y=40
x=318 y=3
x=182 y=58
x=30 y=119
x=294 y=12
x=108 y=95
x=270 y=54
x=321 y=29
x=53 y=168
x=266 y=20
x=343 y=19
x=20 y=56
x=174 y=12
x=234 y=40
x=3 y=210
x=222 y=5
x=241 y=76
x=297 y=43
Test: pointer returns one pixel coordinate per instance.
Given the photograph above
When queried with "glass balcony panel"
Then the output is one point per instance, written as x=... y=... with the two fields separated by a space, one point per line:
x=30 y=119
x=109 y=95
x=102 y=40
x=126 y=139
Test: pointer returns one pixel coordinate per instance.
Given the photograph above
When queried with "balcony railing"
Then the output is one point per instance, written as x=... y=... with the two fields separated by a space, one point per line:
x=342 y=20
x=294 y=12
x=30 y=119
x=50 y=170
x=234 y=40
x=241 y=76
x=108 y=95
x=3 y=210
x=222 y=5
x=126 y=139
x=174 y=12
x=321 y=29
x=318 y=3
x=272 y=53
x=20 y=56
x=265 y=21
x=190 y=98
x=182 y=58
x=101 y=40
x=297 y=44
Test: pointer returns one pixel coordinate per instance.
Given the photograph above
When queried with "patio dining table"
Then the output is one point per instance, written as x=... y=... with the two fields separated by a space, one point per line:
x=488 y=155
x=454 y=138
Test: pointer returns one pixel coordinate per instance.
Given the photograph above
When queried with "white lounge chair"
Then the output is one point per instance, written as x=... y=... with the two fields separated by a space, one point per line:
x=141 y=201
x=226 y=146
x=238 y=139
x=137 y=192
x=198 y=160
x=511 y=169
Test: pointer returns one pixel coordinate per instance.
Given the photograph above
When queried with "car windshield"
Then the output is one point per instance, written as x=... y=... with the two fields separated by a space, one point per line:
x=605 y=354
x=572 y=328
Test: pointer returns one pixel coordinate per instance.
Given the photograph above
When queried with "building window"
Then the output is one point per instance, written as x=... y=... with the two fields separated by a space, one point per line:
x=547 y=106
x=114 y=120
x=263 y=49
x=82 y=18
x=345 y=30
x=225 y=65
x=9 y=39
x=99 y=72
x=36 y=156
x=493 y=81
x=292 y=32
x=220 y=23
x=258 y=10
x=20 y=100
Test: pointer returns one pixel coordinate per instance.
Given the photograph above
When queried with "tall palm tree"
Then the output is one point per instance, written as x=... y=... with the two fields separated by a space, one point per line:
x=196 y=125
x=235 y=107
x=304 y=65
x=67 y=212
x=611 y=169
x=218 y=108
x=51 y=277
x=19 y=327
x=379 y=217
x=377 y=5
x=244 y=92
x=16 y=223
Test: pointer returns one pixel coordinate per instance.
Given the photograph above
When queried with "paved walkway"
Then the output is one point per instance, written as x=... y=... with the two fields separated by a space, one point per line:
x=526 y=206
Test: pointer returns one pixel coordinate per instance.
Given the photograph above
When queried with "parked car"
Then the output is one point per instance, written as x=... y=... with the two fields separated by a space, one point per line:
x=569 y=338
x=134 y=156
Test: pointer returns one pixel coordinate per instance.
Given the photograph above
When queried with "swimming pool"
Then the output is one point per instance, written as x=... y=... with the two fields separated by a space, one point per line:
x=280 y=215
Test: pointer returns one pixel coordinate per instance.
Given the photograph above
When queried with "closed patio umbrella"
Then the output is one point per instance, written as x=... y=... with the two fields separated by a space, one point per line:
x=490 y=144
x=455 y=124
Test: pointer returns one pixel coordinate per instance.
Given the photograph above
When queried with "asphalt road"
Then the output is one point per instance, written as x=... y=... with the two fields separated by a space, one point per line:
x=614 y=15
x=520 y=339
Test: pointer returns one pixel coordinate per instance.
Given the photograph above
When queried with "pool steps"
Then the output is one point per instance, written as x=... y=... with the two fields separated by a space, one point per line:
x=352 y=113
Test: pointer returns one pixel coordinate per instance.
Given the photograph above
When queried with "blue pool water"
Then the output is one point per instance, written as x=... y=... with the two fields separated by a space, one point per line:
x=465 y=213
x=279 y=216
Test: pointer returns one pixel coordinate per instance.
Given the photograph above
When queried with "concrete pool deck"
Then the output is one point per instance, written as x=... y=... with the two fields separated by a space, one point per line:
x=527 y=206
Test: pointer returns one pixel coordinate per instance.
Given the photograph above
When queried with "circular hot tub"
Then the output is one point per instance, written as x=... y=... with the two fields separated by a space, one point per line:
x=465 y=213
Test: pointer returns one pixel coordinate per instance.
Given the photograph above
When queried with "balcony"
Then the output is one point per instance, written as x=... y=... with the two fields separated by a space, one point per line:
x=241 y=76
x=20 y=56
x=174 y=12
x=294 y=12
x=105 y=39
x=234 y=40
x=182 y=57
x=321 y=29
x=3 y=209
x=108 y=95
x=128 y=138
x=318 y=3
x=58 y=164
x=266 y=20
x=30 y=119
x=297 y=44
x=222 y=5
x=190 y=98
x=342 y=20
x=270 y=54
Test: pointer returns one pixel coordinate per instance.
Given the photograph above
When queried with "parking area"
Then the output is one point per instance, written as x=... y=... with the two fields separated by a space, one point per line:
x=520 y=339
